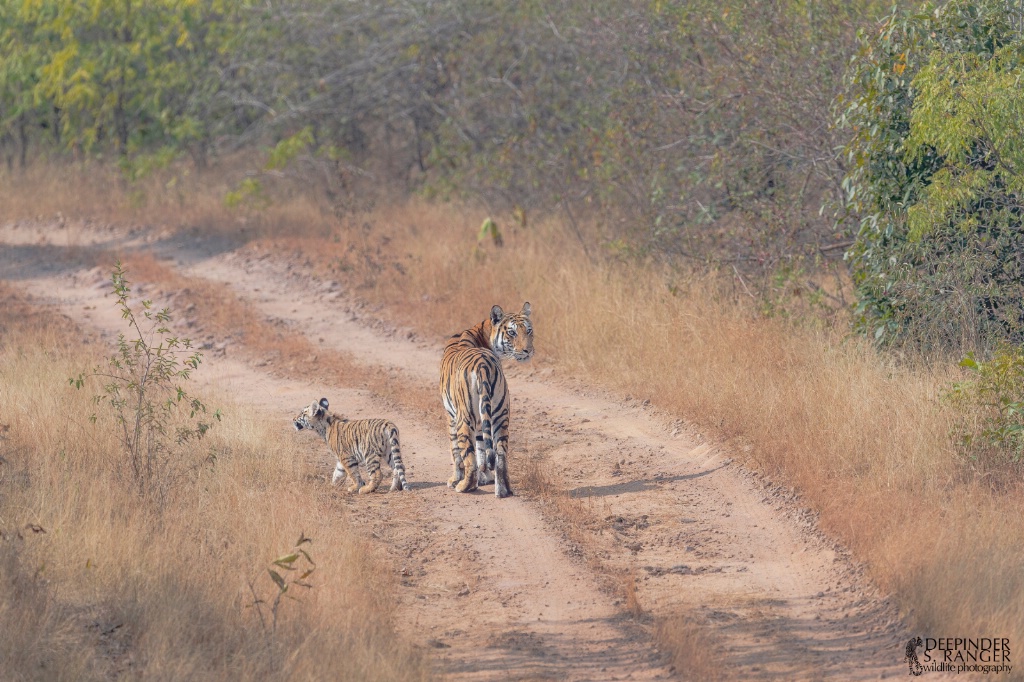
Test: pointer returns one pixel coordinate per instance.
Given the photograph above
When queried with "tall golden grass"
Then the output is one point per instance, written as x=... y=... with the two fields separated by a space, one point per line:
x=101 y=583
x=864 y=438
x=178 y=198
x=692 y=649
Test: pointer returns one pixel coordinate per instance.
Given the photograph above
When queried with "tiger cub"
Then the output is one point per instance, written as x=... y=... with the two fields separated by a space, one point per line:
x=475 y=395
x=354 y=442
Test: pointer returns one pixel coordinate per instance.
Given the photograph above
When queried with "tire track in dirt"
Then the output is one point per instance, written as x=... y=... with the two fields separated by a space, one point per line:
x=497 y=590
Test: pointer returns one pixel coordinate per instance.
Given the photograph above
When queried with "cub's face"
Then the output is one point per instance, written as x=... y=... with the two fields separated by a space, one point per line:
x=312 y=416
x=512 y=335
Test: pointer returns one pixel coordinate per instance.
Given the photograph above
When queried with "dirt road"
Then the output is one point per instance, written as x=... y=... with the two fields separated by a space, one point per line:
x=664 y=523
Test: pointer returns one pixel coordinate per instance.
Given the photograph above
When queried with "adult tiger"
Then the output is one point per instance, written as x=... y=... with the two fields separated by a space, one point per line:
x=475 y=395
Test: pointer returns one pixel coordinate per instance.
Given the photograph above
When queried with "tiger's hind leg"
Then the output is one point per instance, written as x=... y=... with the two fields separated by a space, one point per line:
x=502 y=488
x=462 y=449
x=456 y=454
x=463 y=466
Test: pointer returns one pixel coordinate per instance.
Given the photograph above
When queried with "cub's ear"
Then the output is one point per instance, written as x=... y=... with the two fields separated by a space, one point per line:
x=324 y=403
x=496 y=314
x=526 y=309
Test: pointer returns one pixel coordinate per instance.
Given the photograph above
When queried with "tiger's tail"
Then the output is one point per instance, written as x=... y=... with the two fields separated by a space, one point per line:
x=486 y=430
x=395 y=460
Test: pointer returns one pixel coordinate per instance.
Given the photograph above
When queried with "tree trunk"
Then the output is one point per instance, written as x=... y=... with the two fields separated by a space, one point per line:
x=23 y=140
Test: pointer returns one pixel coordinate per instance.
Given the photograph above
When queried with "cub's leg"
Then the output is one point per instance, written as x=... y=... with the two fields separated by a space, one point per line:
x=372 y=453
x=375 y=475
x=339 y=474
x=350 y=468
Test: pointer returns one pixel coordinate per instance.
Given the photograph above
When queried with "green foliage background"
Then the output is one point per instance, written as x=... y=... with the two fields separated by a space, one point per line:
x=934 y=108
x=701 y=131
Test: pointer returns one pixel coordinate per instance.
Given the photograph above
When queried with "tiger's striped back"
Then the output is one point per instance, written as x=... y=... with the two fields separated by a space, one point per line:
x=475 y=396
x=357 y=442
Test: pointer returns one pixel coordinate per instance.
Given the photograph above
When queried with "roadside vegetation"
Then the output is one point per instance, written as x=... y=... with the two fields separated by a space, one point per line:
x=793 y=224
x=107 y=580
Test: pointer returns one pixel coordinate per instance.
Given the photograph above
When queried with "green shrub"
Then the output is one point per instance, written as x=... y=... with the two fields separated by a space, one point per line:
x=935 y=176
x=142 y=388
x=697 y=129
x=990 y=430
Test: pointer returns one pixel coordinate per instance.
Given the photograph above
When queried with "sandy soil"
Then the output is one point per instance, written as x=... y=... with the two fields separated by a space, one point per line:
x=502 y=589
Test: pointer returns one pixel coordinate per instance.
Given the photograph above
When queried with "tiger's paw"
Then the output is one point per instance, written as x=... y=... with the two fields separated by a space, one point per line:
x=466 y=485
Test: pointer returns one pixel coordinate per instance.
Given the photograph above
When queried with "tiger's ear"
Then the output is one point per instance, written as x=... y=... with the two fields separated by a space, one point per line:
x=526 y=309
x=496 y=314
x=324 y=403
x=315 y=410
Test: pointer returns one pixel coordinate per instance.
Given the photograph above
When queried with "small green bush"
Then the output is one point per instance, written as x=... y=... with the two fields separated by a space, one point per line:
x=143 y=390
x=990 y=430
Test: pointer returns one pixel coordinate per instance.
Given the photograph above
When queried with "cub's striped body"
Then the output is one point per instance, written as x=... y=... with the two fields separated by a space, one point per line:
x=475 y=395
x=355 y=442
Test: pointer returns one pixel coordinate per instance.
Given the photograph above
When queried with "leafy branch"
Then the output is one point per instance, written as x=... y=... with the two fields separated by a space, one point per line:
x=287 y=571
x=143 y=388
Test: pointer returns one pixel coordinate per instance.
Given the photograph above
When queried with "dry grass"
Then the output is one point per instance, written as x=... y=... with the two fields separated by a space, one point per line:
x=177 y=198
x=694 y=654
x=116 y=588
x=575 y=518
x=863 y=438
x=630 y=596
